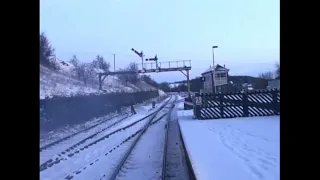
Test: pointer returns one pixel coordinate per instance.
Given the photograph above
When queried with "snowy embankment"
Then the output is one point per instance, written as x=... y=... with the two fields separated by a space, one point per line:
x=237 y=148
x=63 y=83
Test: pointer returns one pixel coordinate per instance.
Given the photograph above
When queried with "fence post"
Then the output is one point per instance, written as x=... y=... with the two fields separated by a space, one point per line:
x=197 y=105
x=274 y=101
x=245 y=104
x=221 y=105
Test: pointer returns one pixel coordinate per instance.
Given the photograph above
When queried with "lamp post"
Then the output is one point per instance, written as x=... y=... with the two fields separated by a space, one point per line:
x=213 y=47
x=213 y=86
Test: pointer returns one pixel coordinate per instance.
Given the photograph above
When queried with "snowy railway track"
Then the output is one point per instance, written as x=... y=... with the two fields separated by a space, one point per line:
x=75 y=161
x=123 y=143
x=71 y=145
x=164 y=162
x=175 y=160
x=121 y=166
x=84 y=130
x=77 y=148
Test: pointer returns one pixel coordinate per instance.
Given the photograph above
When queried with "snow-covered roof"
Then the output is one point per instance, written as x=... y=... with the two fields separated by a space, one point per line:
x=216 y=68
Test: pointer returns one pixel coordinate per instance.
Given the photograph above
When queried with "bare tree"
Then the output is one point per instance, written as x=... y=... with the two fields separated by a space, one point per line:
x=46 y=52
x=88 y=73
x=132 y=77
x=124 y=78
x=79 y=71
x=100 y=63
x=84 y=72
x=266 y=75
x=78 y=67
x=74 y=60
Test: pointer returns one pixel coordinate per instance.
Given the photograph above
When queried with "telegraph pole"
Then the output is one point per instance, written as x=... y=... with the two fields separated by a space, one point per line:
x=142 y=58
x=114 y=62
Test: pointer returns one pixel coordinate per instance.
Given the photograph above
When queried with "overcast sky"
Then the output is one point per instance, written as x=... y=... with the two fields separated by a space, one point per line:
x=246 y=31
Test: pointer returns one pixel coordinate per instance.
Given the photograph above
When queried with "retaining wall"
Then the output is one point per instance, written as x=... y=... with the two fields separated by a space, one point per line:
x=57 y=112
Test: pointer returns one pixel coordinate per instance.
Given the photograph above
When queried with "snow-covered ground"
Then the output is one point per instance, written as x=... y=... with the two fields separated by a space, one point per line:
x=63 y=83
x=63 y=132
x=229 y=149
x=180 y=103
x=89 y=158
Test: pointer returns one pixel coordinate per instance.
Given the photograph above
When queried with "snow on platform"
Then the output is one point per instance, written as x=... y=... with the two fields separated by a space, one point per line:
x=180 y=105
x=230 y=149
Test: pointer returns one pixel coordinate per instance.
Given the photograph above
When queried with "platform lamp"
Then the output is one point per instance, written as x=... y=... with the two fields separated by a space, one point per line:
x=213 y=86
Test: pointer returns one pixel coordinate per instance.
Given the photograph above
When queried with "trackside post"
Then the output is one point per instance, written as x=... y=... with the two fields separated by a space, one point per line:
x=197 y=105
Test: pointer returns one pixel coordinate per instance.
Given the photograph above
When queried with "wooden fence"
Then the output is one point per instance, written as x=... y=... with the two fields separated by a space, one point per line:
x=230 y=105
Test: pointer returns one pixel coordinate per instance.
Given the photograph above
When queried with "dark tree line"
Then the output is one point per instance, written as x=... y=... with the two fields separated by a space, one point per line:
x=164 y=86
x=130 y=78
x=195 y=86
x=149 y=80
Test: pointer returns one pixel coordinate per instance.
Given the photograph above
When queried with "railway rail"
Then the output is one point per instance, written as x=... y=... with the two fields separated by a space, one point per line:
x=164 y=163
x=85 y=143
x=84 y=130
x=126 y=153
x=151 y=121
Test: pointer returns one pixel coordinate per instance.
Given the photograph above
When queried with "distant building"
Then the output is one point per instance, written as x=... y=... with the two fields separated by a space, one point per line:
x=215 y=79
x=274 y=83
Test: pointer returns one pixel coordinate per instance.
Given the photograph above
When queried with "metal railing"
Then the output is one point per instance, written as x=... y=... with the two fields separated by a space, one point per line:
x=167 y=64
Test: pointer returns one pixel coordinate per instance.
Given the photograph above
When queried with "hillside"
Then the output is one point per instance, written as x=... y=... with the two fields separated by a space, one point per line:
x=63 y=83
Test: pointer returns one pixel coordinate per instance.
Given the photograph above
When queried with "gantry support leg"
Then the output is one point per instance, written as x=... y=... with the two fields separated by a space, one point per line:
x=100 y=82
x=188 y=80
x=101 y=79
